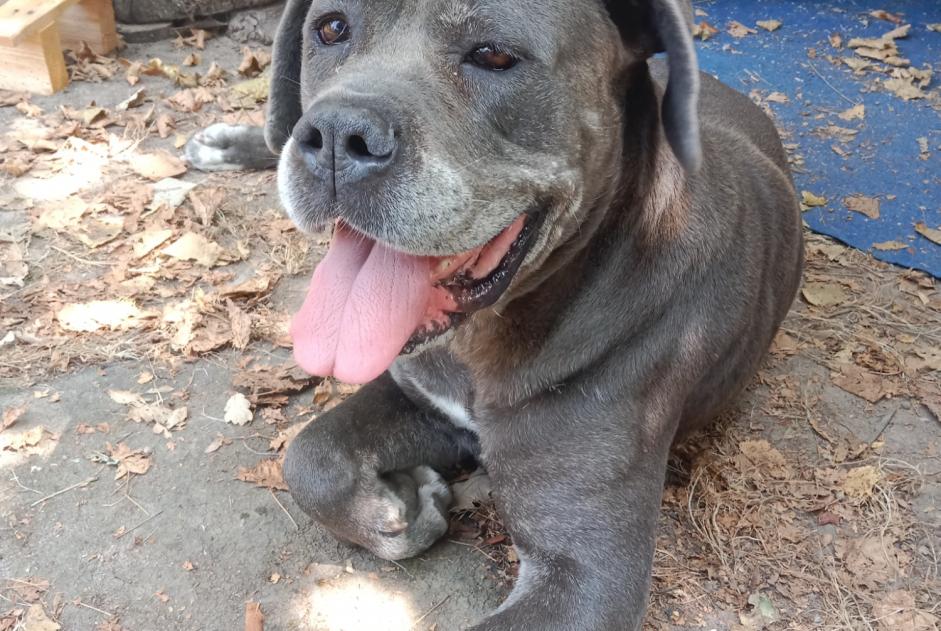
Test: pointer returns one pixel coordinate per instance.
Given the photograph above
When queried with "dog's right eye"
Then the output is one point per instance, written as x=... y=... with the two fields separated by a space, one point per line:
x=333 y=29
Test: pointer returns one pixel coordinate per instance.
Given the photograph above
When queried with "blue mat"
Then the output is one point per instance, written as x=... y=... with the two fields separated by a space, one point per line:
x=883 y=159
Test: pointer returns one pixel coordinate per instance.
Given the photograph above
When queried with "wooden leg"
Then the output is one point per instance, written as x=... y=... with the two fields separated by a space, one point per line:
x=35 y=64
x=92 y=22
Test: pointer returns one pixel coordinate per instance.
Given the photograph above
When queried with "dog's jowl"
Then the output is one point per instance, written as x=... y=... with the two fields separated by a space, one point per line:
x=549 y=253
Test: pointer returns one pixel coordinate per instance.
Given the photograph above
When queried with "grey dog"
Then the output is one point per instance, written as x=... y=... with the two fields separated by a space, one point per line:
x=551 y=254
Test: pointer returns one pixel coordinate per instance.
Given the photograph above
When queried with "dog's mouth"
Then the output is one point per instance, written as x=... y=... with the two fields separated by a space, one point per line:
x=368 y=303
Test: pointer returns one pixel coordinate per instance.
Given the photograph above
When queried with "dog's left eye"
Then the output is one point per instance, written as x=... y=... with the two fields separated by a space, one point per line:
x=333 y=30
x=491 y=58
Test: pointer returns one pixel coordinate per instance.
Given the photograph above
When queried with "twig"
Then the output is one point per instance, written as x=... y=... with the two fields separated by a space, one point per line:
x=101 y=611
x=477 y=548
x=430 y=611
x=402 y=567
x=817 y=72
x=80 y=259
x=885 y=425
x=65 y=490
x=152 y=517
x=278 y=502
x=21 y=485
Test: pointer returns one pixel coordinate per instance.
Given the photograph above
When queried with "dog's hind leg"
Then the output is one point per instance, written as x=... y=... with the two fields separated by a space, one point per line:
x=223 y=147
x=369 y=470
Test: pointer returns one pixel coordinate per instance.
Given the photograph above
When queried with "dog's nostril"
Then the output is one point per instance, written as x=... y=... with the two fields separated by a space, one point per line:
x=357 y=146
x=316 y=139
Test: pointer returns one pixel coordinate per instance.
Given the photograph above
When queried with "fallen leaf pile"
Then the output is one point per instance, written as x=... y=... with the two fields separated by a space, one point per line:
x=881 y=57
x=28 y=612
x=775 y=541
x=172 y=264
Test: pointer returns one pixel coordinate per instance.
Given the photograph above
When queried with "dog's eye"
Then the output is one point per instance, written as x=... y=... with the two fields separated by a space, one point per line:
x=333 y=30
x=491 y=58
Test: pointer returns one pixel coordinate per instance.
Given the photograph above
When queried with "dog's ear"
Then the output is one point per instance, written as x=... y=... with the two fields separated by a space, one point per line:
x=284 y=94
x=654 y=26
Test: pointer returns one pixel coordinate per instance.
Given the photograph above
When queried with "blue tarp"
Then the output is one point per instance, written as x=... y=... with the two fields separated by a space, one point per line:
x=883 y=158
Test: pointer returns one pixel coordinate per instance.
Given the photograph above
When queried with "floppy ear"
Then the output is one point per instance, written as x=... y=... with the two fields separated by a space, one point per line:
x=664 y=25
x=284 y=93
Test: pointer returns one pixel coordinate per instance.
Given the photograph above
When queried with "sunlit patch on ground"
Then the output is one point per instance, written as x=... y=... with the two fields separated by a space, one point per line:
x=357 y=604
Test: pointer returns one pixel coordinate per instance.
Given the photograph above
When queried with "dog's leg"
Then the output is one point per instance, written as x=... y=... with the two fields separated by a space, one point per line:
x=223 y=147
x=368 y=470
x=579 y=490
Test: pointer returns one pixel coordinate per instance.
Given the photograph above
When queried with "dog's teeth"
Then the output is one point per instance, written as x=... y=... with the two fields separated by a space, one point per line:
x=443 y=266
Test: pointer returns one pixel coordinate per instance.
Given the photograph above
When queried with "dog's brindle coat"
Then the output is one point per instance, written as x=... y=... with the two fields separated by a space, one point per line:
x=663 y=267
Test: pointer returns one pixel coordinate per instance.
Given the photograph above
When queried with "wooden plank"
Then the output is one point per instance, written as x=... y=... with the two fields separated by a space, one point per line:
x=20 y=19
x=36 y=64
x=92 y=22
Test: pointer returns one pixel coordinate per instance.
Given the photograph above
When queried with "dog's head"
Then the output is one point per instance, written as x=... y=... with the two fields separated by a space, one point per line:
x=454 y=144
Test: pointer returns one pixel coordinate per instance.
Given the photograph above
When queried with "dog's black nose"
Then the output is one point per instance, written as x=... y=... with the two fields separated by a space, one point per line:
x=346 y=144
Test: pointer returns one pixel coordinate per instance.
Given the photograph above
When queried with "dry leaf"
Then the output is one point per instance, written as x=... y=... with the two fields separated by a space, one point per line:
x=765 y=459
x=135 y=100
x=704 y=31
x=13 y=266
x=126 y=397
x=22 y=440
x=809 y=200
x=864 y=384
x=860 y=482
x=472 y=492
x=93 y=316
x=218 y=442
x=165 y=124
x=146 y=242
x=898 y=611
x=905 y=90
x=64 y=214
x=11 y=416
x=37 y=620
x=777 y=97
x=206 y=202
x=266 y=474
x=129 y=461
x=271 y=385
x=241 y=324
x=868 y=206
x=881 y=14
x=284 y=439
x=857 y=112
x=932 y=234
x=254 y=618
x=157 y=166
x=823 y=294
x=238 y=410
x=253 y=62
x=769 y=25
x=890 y=246
x=194 y=247
x=739 y=30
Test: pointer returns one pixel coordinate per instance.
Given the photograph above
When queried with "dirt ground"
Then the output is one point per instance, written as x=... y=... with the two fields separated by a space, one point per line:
x=147 y=394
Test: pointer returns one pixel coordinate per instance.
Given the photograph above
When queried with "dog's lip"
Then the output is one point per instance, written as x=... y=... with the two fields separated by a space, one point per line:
x=471 y=294
x=474 y=294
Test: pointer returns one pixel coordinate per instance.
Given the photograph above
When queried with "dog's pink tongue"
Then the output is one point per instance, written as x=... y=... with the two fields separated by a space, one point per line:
x=364 y=303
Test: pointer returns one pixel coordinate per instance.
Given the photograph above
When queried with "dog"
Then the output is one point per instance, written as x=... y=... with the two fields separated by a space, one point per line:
x=552 y=253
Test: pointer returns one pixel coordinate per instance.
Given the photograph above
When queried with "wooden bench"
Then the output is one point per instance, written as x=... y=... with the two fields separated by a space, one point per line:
x=33 y=34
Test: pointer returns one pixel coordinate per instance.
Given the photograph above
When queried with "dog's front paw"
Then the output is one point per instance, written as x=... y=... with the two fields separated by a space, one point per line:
x=223 y=147
x=414 y=515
